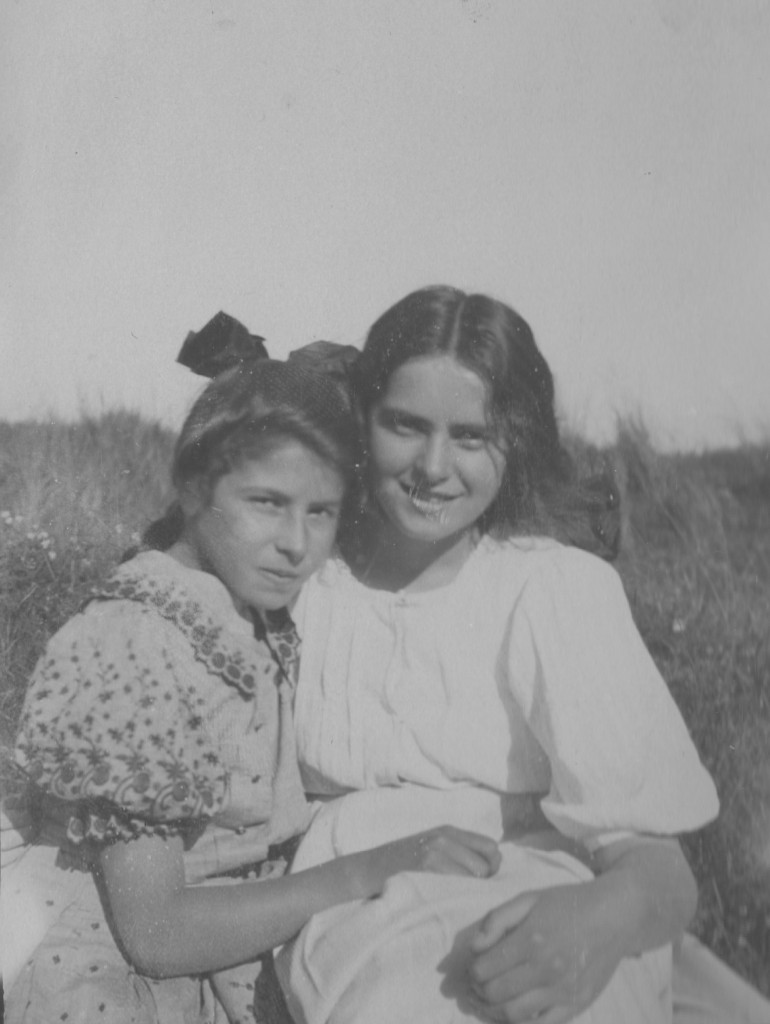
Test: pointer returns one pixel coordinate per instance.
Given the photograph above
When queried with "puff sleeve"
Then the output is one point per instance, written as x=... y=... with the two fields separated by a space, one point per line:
x=114 y=727
x=620 y=754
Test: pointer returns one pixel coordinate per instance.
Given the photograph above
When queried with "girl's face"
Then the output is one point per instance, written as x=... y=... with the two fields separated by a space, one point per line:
x=266 y=526
x=435 y=464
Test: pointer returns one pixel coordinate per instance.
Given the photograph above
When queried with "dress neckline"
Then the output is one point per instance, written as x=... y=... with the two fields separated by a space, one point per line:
x=404 y=596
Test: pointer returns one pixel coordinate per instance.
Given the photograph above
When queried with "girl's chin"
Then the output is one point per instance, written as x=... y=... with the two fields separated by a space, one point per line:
x=417 y=527
x=418 y=524
x=412 y=522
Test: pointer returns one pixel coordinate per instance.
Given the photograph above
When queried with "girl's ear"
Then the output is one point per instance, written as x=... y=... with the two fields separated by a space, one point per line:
x=192 y=497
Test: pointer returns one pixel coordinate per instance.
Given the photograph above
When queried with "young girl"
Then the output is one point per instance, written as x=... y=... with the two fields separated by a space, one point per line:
x=471 y=664
x=157 y=733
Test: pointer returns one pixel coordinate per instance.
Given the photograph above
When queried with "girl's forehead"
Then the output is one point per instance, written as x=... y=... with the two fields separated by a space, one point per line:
x=283 y=458
x=437 y=382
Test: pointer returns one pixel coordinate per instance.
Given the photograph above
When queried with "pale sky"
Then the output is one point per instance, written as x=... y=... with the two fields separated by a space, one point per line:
x=602 y=166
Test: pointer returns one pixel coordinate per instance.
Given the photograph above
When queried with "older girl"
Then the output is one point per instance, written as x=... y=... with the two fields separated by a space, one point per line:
x=157 y=731
x=471 y=664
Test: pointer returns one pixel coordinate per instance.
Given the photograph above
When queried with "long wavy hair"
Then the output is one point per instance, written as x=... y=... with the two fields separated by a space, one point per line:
x=540 y=492
x=247 y=409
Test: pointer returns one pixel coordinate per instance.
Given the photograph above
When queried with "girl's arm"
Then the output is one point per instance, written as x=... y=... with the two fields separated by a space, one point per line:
x=167 y=928
x=620 y=758
x=553 y=952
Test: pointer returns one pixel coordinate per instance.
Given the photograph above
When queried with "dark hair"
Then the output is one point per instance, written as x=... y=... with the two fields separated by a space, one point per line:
x=540 y=492
x=245 y=410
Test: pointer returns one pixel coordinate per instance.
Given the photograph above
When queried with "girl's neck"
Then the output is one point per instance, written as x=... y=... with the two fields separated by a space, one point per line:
x=388 y=560
x=185 y=552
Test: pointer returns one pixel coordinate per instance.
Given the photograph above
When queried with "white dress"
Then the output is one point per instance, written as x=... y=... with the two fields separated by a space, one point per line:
x=523 y=682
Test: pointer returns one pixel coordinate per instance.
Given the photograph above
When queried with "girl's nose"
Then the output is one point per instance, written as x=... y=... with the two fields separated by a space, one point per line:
x=291 y=539
x=436 y=458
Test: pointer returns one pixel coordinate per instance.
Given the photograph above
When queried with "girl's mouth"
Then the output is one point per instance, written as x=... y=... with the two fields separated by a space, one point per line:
x=282 y=575
x=432 y=504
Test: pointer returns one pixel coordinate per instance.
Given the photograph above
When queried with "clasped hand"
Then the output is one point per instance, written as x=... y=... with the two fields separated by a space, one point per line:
x=543 y=956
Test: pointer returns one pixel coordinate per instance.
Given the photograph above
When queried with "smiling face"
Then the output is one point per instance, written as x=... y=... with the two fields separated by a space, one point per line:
x=265 y=526
x=435 y=467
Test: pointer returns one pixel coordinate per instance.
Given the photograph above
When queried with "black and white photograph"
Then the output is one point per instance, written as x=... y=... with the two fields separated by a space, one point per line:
x=385 y=512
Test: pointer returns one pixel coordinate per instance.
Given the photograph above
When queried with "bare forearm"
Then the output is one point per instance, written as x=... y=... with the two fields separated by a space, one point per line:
x=200 y=929
x=647 y=889
x=168 y=928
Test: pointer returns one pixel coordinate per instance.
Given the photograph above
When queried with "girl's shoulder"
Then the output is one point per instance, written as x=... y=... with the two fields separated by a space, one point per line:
x=114 y=627
x=138 y=614
x=114 y=724
x=119 y=704
x=539 y=561
x=172 y=590
x=539 y=580
x=334 y=574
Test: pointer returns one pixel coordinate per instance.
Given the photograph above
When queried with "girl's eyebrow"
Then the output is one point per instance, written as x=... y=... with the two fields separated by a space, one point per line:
x=272 y=492
x=258 y=491
x=326 y=503
x=412 y=417
x=395 y=412
x=479 y=425
x=399 y=410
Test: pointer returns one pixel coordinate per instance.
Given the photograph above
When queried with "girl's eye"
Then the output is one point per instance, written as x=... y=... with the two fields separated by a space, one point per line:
x=399 y=423
x=325 y=512
x=264 y=502
x=471 y=439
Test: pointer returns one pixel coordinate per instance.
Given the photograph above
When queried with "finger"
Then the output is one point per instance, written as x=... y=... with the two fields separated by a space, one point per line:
x=559 y=1015
x=523 y=995
x=482 y=845
x=501 y=920
x=504 y=986
x=533 y=1005
x=449 y=857
x=450 y=849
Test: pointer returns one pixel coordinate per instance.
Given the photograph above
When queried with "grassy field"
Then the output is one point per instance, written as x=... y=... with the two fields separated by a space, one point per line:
x=695 y=561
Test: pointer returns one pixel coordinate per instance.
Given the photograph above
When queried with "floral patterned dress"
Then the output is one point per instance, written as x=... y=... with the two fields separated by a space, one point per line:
x=157 y=710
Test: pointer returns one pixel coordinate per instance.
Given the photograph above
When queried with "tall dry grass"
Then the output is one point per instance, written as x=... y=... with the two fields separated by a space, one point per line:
x=695 y=561
x=73 y=497
x=696 y=566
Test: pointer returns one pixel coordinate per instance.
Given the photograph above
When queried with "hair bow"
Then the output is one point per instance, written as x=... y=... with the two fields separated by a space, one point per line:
x=328 y=358
x=221 y=344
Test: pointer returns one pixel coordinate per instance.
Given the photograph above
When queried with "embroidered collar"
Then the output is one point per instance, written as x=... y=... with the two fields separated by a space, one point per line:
x=168 y=597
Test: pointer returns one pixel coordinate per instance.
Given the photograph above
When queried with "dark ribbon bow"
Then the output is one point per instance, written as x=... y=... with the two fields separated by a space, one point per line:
x=327 y=357
x=221 y=344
